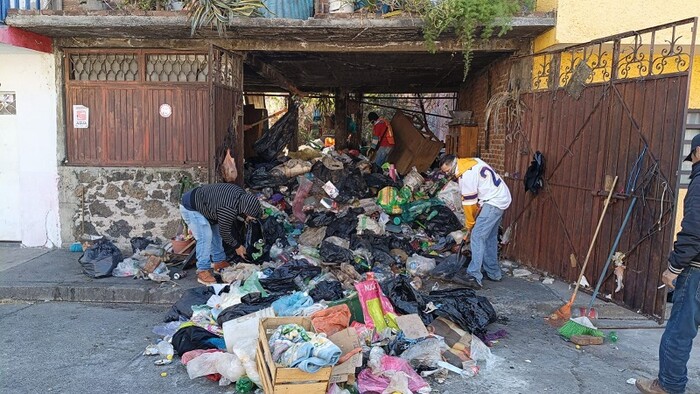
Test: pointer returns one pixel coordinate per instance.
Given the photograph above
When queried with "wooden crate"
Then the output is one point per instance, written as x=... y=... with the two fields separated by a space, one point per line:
x=462 y=141
x=279 y=380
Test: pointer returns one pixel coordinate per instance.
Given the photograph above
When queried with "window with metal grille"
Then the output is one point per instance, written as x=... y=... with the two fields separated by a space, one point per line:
x=692 y=128
x=103 y=67
x=177 y=68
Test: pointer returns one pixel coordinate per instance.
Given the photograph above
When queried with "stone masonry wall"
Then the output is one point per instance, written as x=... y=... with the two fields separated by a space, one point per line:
x=121 y=203
x=474 y=96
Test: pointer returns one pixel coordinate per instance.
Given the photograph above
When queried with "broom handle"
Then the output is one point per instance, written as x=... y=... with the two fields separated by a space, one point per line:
x=595 y=236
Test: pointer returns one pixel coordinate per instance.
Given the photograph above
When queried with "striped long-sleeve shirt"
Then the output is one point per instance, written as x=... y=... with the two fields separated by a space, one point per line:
x=223 y=203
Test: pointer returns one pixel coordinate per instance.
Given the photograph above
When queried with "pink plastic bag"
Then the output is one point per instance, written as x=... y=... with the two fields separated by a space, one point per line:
x=376 y=308
x=378 y=383
x=305 y=186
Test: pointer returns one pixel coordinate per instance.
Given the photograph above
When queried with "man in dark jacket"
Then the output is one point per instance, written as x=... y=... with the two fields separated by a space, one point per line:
x=683 y=275
x=211 y=212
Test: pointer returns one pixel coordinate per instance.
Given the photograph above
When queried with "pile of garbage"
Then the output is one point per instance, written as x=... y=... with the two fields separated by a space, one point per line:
x=334 y=285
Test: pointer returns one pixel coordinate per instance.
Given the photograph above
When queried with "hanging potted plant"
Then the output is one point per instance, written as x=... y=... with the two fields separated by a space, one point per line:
x=219 y=13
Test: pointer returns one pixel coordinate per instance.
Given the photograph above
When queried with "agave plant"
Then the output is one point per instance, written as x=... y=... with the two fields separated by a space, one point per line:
x=220 y=13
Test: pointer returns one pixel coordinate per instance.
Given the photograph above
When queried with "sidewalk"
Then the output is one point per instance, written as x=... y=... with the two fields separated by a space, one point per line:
x=39 y=274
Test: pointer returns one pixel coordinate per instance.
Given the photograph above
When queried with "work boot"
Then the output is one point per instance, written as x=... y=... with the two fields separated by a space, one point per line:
x=648 y=386
x=218 y=266
x=466 y=280
x=487 y=277
x=206 y=278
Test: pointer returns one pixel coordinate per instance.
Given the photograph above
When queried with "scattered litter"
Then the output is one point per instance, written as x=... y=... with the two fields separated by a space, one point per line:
x=548 y=281
x=632 y=381
x=521 y=273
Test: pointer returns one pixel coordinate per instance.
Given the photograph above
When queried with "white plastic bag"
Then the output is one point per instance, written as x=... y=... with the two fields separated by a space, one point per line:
x=452 y=197
x=241 y=336
x=481 y=353
x=128 y=267
x=226 y=364
x=419 y=265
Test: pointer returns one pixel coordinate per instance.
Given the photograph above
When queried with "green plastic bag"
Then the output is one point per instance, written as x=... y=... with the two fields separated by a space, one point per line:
x=391 y=199
x=252 y=285
x=413 y=210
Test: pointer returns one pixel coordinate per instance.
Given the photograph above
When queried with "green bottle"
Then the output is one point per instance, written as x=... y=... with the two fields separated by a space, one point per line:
x=612 y=337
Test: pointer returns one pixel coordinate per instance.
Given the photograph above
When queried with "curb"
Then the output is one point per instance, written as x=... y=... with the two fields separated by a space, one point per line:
x=76 y=292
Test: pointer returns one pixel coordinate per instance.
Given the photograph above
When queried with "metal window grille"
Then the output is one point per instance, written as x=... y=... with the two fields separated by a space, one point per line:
x=104 y=67
x=177 y=68
x=692 y=128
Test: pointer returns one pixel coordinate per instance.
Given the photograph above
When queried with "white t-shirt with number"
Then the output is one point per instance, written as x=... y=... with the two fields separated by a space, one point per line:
x=480 y=184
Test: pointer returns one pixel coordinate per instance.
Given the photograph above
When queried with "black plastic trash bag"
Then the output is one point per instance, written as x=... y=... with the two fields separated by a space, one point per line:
x=327 y=290
x=193 y=338
x=332 y=253
x=140 y=243
x=183 y=307
x=405 y=299
x=352 y=186
x=462 y=306
x=380 y=181
x=280 y=134
x=273 y=230
x=282 y=279
x=100 y=259
x=449 y=266
x=441 y=224
x=320 y=219
x=250 y=303
x=345 y=226
x=261 y=178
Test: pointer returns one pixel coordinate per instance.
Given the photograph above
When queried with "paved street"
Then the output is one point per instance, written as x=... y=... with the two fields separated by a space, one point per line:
x=77 y=347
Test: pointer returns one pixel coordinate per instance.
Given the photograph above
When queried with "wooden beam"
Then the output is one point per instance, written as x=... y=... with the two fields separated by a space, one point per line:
x=25 y=39
x=341 y=119
x=272 y=74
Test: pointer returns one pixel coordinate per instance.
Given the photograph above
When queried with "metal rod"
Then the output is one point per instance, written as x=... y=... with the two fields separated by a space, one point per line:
x=610 y=255
x=399 y=108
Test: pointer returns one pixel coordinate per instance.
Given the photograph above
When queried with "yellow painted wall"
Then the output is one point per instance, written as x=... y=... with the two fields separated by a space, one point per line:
x=546 y=5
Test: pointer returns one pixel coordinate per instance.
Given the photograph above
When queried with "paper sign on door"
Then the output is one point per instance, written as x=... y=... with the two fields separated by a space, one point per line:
x=81 y=116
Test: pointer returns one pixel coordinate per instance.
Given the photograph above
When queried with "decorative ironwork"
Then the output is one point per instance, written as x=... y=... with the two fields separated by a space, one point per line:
x=664 y=49
x=177 y=67
x=104 y=67
x=633 y=58
x=671 y=55
x=542 y=66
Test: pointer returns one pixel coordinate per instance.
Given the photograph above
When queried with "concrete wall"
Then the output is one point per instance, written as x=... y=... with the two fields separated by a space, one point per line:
x=474 y=96
x=28 y=173
x=121 y=203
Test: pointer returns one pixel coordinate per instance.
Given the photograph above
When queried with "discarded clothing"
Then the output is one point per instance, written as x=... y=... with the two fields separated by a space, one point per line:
x=250 y=303
x=292 y=346
x=192 y=338
x=291 y=305
x=327 y=290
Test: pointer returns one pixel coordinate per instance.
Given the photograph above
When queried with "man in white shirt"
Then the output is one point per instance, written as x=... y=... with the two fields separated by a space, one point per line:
x=484 y=198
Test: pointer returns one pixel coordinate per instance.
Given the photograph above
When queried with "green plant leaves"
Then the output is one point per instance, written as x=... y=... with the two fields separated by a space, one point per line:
x=219 y=13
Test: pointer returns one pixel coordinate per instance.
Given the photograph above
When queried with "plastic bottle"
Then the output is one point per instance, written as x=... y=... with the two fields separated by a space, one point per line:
x=612 y=337
x=276 y=250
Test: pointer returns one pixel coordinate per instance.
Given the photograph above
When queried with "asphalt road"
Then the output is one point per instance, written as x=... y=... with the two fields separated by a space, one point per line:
x=60 y=347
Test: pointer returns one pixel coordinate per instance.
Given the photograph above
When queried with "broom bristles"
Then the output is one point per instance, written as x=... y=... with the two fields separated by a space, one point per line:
x=572 y=328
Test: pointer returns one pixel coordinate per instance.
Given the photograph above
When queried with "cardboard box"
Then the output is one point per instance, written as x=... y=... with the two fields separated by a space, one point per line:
x=347 y=340
x=277 y=379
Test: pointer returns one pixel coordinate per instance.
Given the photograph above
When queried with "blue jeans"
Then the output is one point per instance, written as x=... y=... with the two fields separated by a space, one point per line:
x=681 y=329
x=484 y=243
x=209 y=244
x=382 y=155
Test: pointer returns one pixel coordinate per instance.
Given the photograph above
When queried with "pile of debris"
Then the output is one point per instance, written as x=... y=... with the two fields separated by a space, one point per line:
x=332 y=298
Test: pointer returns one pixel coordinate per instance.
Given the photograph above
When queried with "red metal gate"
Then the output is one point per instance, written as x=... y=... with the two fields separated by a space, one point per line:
x=612 y=107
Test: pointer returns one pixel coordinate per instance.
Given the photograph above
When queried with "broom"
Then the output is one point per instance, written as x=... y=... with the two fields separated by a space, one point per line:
x=564 y=313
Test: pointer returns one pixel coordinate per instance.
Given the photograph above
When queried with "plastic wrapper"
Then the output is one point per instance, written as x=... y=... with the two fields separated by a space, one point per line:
x=183 y=307
x=226 y=364
x=332 y=320
x=291 y=305
x=127 y=268
x=335 y=389
x=305 y=186
x=419 y=265
x=313 y=236
x=367 y=224
x=370 y=382
x=100 y=259
x=388 y=198
x=327 y=290
x=426 y=353
x=452 y=197
x=376 y=308
x=413 y=180
x=252 y=285
x=331 y=253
